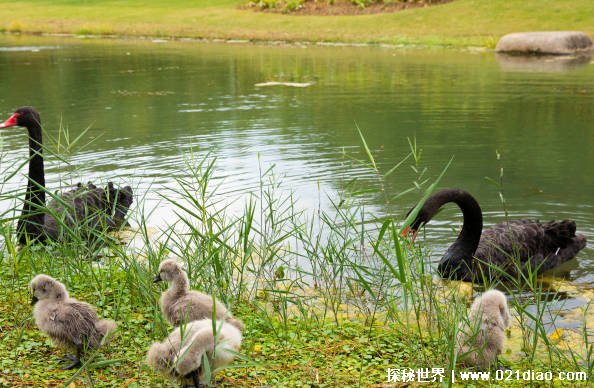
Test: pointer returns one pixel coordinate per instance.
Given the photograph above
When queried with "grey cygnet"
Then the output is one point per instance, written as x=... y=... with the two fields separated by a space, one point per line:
x=481 y=339
x=180 y=355
x=67 y=321
x=180 y=304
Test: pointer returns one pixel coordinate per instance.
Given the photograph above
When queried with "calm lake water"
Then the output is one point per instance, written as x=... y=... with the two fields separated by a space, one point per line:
x=149 y=104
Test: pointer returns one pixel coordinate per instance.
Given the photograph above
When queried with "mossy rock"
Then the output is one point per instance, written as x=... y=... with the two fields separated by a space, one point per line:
x=545 y=43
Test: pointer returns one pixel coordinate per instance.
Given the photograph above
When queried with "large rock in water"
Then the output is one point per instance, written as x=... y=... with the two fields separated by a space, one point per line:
x=545 y=42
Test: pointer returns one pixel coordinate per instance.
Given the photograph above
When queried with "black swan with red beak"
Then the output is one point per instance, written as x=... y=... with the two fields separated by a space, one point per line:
x=510 y=248
x=86 y=208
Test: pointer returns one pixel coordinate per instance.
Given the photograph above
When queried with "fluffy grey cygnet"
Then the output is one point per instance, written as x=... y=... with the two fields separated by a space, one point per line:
x=180 y=355
x=481 y=339
x=68 y=322
x=180 y=304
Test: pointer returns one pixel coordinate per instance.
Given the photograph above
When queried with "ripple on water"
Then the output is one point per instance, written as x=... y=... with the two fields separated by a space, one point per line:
x=33 y=49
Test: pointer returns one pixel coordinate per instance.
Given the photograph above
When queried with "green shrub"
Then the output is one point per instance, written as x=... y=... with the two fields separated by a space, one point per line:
x=264 y=4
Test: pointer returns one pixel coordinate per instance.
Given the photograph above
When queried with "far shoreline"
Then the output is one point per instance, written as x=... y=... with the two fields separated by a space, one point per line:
x=257 y=42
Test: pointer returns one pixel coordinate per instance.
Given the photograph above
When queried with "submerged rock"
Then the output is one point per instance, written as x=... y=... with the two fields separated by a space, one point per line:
x=545 y=42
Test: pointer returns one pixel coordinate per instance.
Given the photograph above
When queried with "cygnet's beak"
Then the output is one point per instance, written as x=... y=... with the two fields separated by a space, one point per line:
x=34 y=300
x=157 y=279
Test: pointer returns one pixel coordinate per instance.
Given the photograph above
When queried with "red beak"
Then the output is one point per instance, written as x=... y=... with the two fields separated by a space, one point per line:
x=12 y=121
x=407 y=231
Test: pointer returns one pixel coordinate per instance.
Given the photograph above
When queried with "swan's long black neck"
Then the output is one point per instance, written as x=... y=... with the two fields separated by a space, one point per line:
x=470 y=235
x=32 y=217
x=472 y=226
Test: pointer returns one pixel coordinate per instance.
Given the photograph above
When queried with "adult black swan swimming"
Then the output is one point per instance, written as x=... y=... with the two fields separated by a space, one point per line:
x=86 y=208
x=506 y=249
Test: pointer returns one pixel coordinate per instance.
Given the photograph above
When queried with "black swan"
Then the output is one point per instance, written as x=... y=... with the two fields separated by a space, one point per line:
x=87 y=208
x=475 y=256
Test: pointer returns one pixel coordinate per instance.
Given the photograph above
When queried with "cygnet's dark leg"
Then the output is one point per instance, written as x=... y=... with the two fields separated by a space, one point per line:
x=75 y=359
x=195 y=379
x=74 y=364
x=500 y=365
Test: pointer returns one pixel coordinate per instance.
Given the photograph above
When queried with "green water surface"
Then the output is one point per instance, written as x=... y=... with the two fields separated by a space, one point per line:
x=150 y=103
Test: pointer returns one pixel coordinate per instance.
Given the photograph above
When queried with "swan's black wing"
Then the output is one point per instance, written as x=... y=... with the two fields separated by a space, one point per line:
x=523 y=244
x=88 y=209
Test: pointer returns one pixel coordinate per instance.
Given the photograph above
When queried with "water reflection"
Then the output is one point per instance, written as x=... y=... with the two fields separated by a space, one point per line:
x=533 y=63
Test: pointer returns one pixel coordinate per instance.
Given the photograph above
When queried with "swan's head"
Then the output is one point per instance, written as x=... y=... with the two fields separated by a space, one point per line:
x=434 y=203
x=159 y=356
x=169 y=270
x=24 y=116
x=45 y=287
x=420 y=220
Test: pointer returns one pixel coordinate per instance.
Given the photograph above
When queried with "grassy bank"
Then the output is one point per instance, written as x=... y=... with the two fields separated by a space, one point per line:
x=328 y=297
x=459 y=23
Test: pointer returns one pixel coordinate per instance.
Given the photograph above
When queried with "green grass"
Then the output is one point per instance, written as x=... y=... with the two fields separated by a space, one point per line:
x=459 y=23
x=329 y=297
